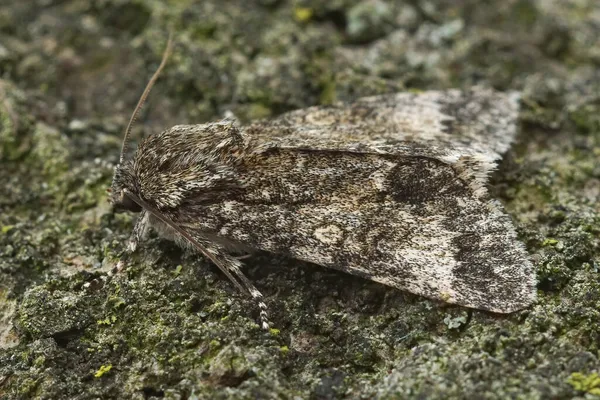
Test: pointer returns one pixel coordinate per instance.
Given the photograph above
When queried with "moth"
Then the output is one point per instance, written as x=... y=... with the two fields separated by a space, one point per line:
x=391 y=188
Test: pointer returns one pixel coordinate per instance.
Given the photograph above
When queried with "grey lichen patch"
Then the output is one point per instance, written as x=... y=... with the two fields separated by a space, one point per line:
x=272 y=79
x=229 y=367
x=8 y=337
x=369 y=20
x=43 y=313
x=348 y=85
x=585 y=111
x=15 y=122
x=445 y=365
x=50 y=153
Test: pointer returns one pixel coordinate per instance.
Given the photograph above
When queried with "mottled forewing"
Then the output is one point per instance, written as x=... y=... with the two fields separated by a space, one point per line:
x=407 y=222
x=447 y=125
x=391 y=188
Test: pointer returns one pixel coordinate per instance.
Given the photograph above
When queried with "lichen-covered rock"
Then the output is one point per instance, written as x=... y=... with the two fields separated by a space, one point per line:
x=171 y=326
x=15 y=123
x=44 y=313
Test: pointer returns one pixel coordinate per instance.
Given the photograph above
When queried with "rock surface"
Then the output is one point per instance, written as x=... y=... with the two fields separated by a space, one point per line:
x=172 y=326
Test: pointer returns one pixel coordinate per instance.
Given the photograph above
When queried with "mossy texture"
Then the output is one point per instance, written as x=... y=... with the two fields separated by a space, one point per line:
x=171 y=326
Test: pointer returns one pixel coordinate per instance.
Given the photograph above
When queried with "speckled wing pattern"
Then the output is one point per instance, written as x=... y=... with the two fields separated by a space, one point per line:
x=390 y=188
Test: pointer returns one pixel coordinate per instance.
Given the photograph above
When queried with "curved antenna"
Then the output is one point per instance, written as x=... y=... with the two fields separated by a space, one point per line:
x=142 y=99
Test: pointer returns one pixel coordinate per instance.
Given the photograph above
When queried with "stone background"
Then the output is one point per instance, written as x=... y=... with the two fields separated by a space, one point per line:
x=172 y=326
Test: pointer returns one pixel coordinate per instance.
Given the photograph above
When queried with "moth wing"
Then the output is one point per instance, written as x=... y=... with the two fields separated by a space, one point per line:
x=391 y=188
x=406 y=222
x=447 y=125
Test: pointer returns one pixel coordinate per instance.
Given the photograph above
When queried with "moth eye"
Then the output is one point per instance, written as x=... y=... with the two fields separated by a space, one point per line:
x=127 y=204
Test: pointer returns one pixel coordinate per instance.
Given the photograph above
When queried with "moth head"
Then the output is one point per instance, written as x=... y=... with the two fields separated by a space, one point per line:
x=186 y=163
x=125 y=203
x=122 y=184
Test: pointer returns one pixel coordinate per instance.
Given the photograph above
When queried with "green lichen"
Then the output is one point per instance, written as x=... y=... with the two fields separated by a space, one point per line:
x=303 y=14
x=102 y=370
x=6 y=228
x=585 y=383
x=107 y=321
x=549 y=242
x=274 y=331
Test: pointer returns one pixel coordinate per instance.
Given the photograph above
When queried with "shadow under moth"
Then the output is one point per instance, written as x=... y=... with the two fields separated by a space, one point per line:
x=391 y=188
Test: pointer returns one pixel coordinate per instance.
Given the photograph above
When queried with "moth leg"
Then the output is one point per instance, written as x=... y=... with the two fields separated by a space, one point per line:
x=235 y=268
x=231 y=264
x=139 y=233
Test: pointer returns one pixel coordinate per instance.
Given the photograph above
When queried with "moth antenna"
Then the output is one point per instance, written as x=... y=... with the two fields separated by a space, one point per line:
x=142 y=99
